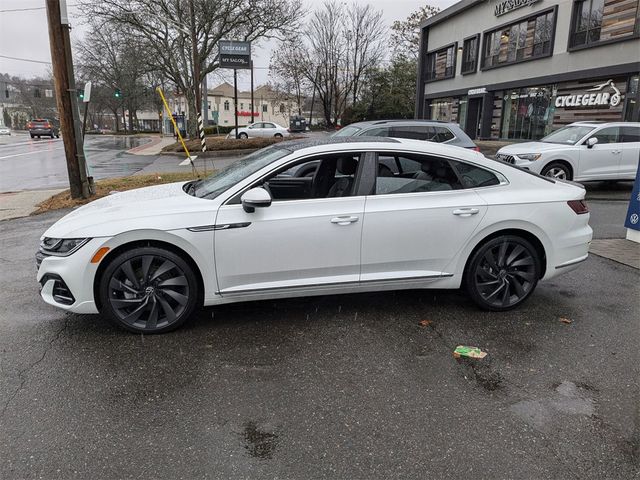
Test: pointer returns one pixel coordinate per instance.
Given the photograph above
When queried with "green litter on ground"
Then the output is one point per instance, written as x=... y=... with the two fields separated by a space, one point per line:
x=471 y=352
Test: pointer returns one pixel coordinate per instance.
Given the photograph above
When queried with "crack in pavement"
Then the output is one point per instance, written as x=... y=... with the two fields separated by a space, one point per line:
x=21 y=373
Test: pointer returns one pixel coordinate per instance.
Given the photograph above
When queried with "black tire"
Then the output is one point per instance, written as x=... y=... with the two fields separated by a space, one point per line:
x=558 y=170
x=278 y=135
x=38 y=136
x=32 y=136
x=243 y=135
x=502 y=273
x=148 y=290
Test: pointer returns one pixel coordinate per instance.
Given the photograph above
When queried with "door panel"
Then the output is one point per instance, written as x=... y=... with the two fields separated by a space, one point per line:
x=290 y=243
x=417 y=234
x=603 y=159
x=630 y=152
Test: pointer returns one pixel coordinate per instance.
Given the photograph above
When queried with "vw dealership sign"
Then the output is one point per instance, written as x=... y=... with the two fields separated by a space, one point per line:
x=234 y=54
x=633 y=212
x=602 y=98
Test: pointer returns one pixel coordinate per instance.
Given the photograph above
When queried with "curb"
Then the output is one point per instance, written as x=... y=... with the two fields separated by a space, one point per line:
x=215 y=153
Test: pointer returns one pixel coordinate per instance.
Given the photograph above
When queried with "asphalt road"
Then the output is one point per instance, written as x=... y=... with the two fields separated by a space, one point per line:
x=29 y=164
x=345 y=387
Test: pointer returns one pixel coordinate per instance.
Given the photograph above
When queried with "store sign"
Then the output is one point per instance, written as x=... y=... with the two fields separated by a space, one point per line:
x=234 y=54
x=507 y=6
x=477 y=91
x=599 y=99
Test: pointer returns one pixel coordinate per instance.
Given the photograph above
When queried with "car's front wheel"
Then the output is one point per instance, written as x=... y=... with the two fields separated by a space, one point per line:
x=148 y=290
x=243 y=135
x=502 y=273
x=557 y=170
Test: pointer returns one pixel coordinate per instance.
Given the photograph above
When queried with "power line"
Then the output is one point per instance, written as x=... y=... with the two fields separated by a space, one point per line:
x=9 y=10
x=25 y=60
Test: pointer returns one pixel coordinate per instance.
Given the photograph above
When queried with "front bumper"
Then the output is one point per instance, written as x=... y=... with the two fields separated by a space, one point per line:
x=67 y=282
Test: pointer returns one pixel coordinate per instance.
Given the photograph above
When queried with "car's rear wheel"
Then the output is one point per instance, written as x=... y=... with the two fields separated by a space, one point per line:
x=32 y=136
x=502 y=273
x=557 y=170
x=243 y=135
x=278 y=135
x=148 y=290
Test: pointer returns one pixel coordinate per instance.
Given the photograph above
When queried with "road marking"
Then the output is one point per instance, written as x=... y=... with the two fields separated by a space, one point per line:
x=31 y=153
x=32 y=142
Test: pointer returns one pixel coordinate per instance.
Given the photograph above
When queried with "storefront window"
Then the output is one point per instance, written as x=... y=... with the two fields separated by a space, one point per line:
x=442 y=109
x=632 y=100
x=527 y=113
x=599 y=21
x=462 y=112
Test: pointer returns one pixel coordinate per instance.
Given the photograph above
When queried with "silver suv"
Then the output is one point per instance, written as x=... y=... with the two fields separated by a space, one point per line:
x=429 y=130
x=581 y=151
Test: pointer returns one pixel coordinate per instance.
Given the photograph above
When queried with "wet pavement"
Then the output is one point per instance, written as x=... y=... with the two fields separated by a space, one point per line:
x=327 y=387
x=28 y=164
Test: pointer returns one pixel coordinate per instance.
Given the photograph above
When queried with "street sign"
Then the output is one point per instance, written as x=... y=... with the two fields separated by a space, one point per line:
x=235 y=54
x=87 y=92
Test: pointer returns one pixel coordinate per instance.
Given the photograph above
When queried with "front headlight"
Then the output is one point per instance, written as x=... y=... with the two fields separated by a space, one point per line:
x=61 y=247
x=529 y=156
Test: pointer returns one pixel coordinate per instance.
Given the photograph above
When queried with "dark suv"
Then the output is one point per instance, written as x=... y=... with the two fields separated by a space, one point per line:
x=429 y=130
x=39 y=127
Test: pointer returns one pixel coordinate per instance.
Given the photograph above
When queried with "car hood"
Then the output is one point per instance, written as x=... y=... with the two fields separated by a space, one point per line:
x=532 y=147
x=161 y=207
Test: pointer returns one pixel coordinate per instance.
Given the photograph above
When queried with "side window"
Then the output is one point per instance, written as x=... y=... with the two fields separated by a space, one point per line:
x=630 y=134
x=319 y=177
x=415 y=132
x=607 y=135
x=377 y=132
x=442 y=134
x=418 y=173
x=474 y=177
x=269 y=125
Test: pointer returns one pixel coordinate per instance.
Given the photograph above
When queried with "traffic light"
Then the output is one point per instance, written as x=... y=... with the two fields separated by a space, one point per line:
x=117 y=93
x=81 y=94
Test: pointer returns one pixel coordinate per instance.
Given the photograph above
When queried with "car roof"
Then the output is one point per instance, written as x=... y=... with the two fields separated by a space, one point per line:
x=330 y=144
x=410 y=121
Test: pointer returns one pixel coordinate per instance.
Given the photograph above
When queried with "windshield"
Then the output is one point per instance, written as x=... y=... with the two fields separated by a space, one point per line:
x=568 y=135
x=349 y=131
x=214 y=185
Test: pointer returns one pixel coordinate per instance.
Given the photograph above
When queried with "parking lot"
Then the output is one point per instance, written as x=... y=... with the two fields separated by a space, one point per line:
x=361 y=386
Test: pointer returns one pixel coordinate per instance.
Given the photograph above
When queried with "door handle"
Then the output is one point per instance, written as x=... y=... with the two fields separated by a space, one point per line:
x=465 y=212
x=615 y=152
x=344 y=220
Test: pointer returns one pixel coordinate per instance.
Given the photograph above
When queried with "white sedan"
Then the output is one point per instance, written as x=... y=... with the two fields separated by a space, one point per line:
x=374 y=215
x=582 y=151
x=260 y=129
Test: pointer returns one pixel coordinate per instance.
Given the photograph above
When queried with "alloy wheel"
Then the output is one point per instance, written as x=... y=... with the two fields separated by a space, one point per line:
x=148 y=292
x=505 y=274
x=557 y=172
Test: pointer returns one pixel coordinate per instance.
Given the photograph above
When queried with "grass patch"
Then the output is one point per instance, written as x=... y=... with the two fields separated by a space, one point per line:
x=219 y=143
x=103 y=187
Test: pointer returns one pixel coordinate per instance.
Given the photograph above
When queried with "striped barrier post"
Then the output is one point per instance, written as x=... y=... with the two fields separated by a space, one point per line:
x=201 y=132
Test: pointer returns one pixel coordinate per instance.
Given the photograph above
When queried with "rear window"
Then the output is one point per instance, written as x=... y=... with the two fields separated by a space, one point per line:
x=442 y=134
x=630 y=134
x=474 y=177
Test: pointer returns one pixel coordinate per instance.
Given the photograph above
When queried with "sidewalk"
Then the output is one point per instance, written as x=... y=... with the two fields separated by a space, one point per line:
x=22 y=204
x=619 y=250
x=154 y=147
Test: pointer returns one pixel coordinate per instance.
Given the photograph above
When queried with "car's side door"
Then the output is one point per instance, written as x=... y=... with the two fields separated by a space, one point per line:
x=269 y=129
x=602 y=160
x=295 y=243
x=630 y=137
x=255 y=130
x=419 y=219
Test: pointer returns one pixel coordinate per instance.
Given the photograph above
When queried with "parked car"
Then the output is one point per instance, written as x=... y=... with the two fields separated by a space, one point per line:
x=581 y=151
x=260 y=129
x=148 y=258
x=430 y=130
x=4 y=130
x=40 y=127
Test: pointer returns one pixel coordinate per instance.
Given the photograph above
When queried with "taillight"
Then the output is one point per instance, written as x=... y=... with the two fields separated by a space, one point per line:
x=578 y=206
x=46 y=125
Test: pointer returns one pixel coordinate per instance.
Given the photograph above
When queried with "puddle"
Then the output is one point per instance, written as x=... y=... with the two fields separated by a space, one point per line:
x=259 y=443
x=567 y=399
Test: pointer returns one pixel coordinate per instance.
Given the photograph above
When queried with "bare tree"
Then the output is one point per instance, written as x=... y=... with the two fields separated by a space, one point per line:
x=287 y=78
x=405 y=34
x=163 y=28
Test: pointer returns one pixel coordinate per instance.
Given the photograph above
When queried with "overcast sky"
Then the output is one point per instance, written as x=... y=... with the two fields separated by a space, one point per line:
x=24 y=34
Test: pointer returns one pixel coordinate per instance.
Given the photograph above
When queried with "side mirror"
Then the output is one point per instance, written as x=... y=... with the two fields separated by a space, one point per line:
x=591 y=141
x=255 y=198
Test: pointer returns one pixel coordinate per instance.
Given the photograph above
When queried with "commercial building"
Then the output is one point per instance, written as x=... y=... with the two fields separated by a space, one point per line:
x=519 y=69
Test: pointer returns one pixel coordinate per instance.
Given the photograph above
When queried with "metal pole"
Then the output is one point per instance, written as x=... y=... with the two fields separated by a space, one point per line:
x=84 y=120
x=196 y=62
x=235 y=98
x=252 y=104
x=205 y=101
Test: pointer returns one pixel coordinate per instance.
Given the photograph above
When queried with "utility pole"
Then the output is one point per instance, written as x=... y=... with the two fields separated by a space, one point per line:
x=252 y=104
x=235 y=98
x=67 y=98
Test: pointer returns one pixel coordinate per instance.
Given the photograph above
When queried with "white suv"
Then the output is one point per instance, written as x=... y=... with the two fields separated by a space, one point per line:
x=582 y=151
